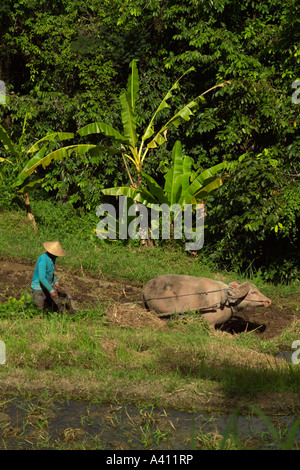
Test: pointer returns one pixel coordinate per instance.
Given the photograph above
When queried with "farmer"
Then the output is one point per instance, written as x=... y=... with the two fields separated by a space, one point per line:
x=44 y=283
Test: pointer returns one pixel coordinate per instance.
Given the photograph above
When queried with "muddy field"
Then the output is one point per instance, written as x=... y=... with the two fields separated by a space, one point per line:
x=76 y=424
x=122 y=301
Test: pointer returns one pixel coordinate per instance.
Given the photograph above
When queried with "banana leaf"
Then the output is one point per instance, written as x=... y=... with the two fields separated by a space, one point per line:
x=172 y=182
x=37 y=158
x=6 y=141
x=183 y=114
x=202 y=180
x=128 y=119
x=140 y=195
x=127 y=100
x=102 y=128
x=150 y=128
x=50 y=138
x=204 y=192
x=186 y=173
x=133 y=84
x=31 y=186
x=59 y=154
x=155 y=189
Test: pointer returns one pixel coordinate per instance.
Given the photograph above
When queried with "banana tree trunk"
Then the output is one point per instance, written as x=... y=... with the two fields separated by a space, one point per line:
x=29 y=212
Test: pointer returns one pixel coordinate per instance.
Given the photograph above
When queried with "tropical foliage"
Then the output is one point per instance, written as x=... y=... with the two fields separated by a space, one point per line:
x=182 y=186
x=136 y=152
x=65 y=65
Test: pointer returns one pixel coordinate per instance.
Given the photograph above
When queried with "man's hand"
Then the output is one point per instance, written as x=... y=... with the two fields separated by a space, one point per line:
x=54 y=294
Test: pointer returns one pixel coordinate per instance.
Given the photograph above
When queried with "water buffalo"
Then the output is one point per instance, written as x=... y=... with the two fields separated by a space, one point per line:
x=216 y=301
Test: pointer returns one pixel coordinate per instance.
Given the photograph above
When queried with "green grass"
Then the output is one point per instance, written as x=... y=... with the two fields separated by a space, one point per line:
x=109 y=258
x=85 y=250
x=136 y=364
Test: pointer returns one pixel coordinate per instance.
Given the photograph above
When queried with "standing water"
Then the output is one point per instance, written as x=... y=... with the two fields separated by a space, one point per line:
x=91 y=426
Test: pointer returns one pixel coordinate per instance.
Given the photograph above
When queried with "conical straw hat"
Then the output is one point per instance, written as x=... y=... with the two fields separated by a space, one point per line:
x=54 y=248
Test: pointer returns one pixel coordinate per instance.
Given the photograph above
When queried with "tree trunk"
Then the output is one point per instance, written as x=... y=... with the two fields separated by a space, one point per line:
x=29 y=212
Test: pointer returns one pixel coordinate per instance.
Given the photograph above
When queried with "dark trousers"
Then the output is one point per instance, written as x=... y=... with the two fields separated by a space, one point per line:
x=43 y=300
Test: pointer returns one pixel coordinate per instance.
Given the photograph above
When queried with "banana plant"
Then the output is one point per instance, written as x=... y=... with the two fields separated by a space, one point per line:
x=19 y=154
x=23 y=184
x=132 y=149
x=181 y=187
x=39 y=158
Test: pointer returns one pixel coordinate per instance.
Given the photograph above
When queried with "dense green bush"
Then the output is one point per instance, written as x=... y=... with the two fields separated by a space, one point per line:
x=254 y=221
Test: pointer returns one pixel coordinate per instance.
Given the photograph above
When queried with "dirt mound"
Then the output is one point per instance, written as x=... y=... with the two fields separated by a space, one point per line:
x=122 y=302
x=133 y=316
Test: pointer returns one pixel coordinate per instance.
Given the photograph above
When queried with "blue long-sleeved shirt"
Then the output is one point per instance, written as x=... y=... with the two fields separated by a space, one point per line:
x=43 y=275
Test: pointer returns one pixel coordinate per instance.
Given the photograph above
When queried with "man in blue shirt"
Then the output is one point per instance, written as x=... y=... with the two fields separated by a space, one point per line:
x=44 y=283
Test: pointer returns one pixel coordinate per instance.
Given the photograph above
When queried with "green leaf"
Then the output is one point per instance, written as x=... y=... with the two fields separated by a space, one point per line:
x=133 y=84
x=172 y=183
x=34 y=160
x=31 y=186
x=150 y=128
x=128 y=119
x=202 y=181
x=102 y=128
x=186 y=173
x=204 y=192
x=5 y=139
x=50 y=138
x=98 y=150
x=183 y=115
x=140 y=195
x=158 y=140
x=155 y=189
x=59 y=154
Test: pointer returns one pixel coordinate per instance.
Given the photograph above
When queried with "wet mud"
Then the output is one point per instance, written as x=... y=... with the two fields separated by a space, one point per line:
x=77 y=425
